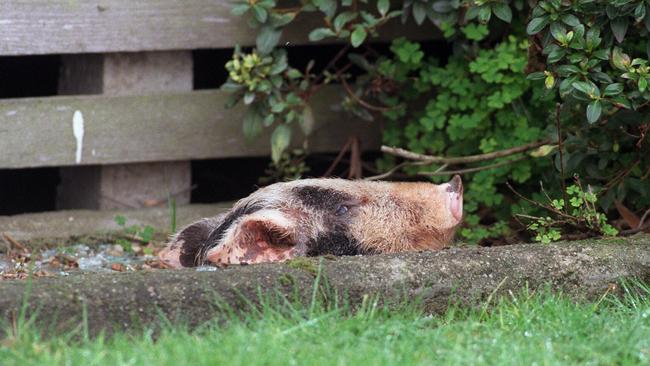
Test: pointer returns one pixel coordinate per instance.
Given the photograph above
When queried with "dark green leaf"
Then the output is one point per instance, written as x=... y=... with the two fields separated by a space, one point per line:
x=620 y=60
x=613 y=89
x=358 y=36
x=594 y=109
x=267 y=38
x=280 y=20
x=307 y=122
x=383 y=6
x=471 y=13
x=558 y=31
x=320 y=33
x=484 y=14
x=280 y=141
x=536 y=25
x=240 y=9
x=570 y=20
x=502 y=11
x=639 y=12
x=619 y=28
x=342 y=19
x=360 y=61
x=249 y=98
x=643 y=84
x=253 y=123
x=584 y=87
x=419 y=12
x=536 y=76
x=443 y=6
x=326 y=6
x=260 y=13
x=556 y=55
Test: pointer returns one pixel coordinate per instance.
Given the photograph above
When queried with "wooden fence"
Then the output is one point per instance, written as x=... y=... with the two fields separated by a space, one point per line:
x=126 y=96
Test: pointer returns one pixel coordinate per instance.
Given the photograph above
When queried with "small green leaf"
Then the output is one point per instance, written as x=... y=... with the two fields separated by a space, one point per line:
x=484 y=14
x=584 y=87
x=536 y=25
x=550 y=81
x=267 y=38
x=342 y=19
x=280 y=141
x=613 y=89
x=594 y=110
x=249 y=98
x=419 y=12
x=120 y=220
x=358 y=36
x=320 y=33
x=558 y=31
x=643 y=84
x=502 y=11
x=383 y=6
x=240 y=9
x=539 y=75
x=253 y=123
x=620 y=60
x=570 y=20
x=260 y=13
x=619 y=28
x=308 y=121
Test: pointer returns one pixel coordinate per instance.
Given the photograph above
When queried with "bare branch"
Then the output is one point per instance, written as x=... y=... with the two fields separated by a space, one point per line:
x=462 y=159
x=471 y=170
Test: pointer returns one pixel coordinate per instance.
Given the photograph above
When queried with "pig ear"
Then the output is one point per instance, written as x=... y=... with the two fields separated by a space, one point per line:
x=265 y=236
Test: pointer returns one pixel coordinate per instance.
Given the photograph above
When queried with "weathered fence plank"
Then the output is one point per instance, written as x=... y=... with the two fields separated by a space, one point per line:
x=29 y=27
x=157 y=127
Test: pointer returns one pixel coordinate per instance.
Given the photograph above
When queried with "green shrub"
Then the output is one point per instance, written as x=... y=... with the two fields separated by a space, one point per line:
x=586 y=93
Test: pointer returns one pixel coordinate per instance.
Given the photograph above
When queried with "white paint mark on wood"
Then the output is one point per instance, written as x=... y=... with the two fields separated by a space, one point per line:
x=93 y=152
x=78 y=132
x=6 y=21
x=10 y=113
x=68 y=26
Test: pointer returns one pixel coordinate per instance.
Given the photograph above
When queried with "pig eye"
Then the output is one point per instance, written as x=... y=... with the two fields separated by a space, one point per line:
x=341 y=210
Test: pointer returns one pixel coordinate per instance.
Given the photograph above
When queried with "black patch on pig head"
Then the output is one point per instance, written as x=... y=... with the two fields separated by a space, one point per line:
x=322 y=199
x=193 y=238
x=336 y=242
x=199 y=238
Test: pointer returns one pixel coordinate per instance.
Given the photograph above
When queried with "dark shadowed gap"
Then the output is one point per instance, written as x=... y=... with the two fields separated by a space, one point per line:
x=29 y=76
x=28 y=190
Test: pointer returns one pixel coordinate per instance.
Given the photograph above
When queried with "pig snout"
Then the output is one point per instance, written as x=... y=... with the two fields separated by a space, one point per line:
x=454 y=190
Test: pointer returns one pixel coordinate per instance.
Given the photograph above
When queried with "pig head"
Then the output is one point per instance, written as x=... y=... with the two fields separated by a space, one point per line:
x=312 y=217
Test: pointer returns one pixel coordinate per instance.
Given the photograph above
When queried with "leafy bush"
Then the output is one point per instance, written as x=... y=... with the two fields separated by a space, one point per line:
x=586 y=95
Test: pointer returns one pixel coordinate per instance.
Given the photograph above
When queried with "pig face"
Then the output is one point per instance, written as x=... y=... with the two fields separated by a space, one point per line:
x=314 y=217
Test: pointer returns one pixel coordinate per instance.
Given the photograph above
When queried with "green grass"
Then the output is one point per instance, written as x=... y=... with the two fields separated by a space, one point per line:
x=541 y=329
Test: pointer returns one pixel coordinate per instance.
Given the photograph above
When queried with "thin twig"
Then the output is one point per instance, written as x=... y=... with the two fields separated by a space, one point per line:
x=471 y=170
x=462 y=159
x=645 y=216
x=14 y=242
x=361 y=101
x=533 y=202
x=336 y=161
x=398 y=167
x=559 y=142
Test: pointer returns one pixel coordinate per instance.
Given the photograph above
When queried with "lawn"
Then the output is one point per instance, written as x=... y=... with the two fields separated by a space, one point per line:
x=525 y=329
